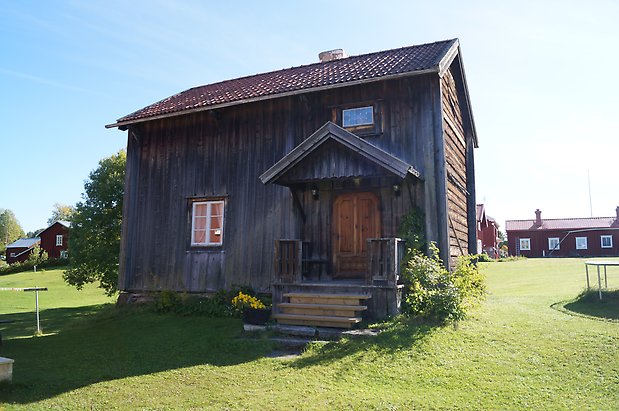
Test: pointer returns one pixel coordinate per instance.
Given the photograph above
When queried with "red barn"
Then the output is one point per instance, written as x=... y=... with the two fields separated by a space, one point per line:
x=19 y=251
x=564 y=237
x=54 y=239
x=487 y=233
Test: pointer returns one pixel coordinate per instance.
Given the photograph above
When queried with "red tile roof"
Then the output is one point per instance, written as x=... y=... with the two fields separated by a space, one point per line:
x=561 y=224
x=362 y=68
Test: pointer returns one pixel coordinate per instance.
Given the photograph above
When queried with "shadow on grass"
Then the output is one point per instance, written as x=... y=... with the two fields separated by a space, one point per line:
x=397 y=335
x=589 y=304
x=112 y=344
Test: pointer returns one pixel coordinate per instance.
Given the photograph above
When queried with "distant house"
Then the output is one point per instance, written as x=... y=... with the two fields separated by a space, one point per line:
x=297 y=180
x=54 y=239
x=487 y=233
x=18 y=251
x=564 y=237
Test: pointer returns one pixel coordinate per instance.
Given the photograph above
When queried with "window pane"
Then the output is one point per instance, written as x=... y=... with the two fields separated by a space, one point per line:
x=217 y=208
x=215 y=236
x=199 y=223
x=525 y=244
x=216 y=222
x=199 y=236
x=581 y=243
x=553 y=243
x=199 y=209
x=358 y=116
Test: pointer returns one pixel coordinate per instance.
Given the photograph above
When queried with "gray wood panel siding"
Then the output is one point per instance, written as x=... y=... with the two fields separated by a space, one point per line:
x=221 y=154
x=456 y=166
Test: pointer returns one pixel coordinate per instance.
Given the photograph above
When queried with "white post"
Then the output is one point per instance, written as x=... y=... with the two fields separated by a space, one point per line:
x=599 y=283
x=37 y=309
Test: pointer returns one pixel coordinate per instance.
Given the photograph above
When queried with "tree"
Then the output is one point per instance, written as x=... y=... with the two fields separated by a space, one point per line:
x=37 y=256
x=94 y=242
x=61 y=212
x=10 y=229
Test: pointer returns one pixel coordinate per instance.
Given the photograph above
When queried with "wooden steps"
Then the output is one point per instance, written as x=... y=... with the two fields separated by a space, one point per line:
x=322 y=310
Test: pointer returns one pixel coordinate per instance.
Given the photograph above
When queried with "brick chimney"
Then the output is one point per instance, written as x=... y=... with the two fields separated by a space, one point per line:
x=538 y=217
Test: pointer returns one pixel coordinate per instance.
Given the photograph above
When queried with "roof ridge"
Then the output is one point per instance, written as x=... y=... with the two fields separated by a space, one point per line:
x=318 y=63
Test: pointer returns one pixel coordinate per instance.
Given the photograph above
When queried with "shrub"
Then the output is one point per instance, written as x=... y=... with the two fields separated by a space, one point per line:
x=484 y=258
x=217 y=305
x=434 y=294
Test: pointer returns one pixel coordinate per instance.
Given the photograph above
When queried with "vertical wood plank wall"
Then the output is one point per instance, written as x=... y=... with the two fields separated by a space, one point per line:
x=456 y=165
x=221 y=153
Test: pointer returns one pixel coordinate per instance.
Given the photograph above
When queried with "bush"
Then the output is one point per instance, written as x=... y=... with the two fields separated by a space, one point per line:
x=434 y=294
x=484 y=258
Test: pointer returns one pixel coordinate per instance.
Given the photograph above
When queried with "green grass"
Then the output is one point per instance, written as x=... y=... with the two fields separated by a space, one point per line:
x=524 y=348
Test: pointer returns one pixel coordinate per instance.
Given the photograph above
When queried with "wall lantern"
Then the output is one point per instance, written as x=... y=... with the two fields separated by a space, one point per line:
x=315 y=192
x=396 y=190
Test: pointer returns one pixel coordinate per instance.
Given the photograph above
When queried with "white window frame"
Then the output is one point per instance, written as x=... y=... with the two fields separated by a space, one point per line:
x=371 y=108
x=12 y=255
x=207 y=228
x=58 y=240
x=582 y=245
x=525 y=244
x=558 y=243
x=64 y=254
x=609 y=237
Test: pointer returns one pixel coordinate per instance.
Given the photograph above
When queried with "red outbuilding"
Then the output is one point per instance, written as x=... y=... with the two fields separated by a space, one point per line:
x=55 y=239
x=19 y=251
x=487 y=233
x=564 y=237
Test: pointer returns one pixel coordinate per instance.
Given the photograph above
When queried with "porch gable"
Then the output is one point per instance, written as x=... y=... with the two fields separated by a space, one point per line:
x=364 y=158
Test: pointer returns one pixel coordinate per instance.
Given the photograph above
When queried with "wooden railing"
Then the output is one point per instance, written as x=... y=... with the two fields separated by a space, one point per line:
x=384 y=259
x=288 y=260
x=384 y=256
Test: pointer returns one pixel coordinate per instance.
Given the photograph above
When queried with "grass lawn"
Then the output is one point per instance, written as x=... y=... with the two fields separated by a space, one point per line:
x=529 y=346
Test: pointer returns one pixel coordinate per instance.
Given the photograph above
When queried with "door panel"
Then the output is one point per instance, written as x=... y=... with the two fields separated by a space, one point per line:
x=357 y=218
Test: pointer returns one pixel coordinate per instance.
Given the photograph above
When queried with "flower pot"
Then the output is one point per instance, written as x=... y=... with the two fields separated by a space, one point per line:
x=256 y=316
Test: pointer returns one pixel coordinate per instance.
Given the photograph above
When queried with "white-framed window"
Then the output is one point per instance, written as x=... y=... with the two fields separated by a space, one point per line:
x=581 y=243
x=358 y=116
x=12 y=254
x=525 y=244
x=59 y=240
x=64 y=254
x=553 y=243
x=606 y=241
x=207 y=223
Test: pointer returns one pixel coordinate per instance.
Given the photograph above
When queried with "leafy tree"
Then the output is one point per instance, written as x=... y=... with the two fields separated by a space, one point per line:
x=10 y=229
x=37 y=256
x=61 y=212
x=94 y=242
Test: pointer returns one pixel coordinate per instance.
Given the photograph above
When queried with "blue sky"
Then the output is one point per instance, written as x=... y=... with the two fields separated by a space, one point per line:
x=540 y=75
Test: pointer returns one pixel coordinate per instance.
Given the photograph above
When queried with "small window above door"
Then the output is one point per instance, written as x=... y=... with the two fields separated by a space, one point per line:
x=360 y=116
x=363 y=119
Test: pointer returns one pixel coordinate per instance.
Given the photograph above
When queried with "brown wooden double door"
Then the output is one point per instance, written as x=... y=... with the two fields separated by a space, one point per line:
x=356 y=217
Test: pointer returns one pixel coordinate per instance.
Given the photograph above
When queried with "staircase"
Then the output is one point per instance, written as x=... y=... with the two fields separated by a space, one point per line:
x=321 y=309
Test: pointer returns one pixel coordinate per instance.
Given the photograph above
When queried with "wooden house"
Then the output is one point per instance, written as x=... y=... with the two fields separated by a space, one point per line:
x=19 y=251
x=564 y=237
x=295 y=181
x=55 y=239
x=487 y=233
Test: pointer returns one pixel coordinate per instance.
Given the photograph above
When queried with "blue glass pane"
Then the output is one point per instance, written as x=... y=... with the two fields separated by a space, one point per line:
x=361 y=116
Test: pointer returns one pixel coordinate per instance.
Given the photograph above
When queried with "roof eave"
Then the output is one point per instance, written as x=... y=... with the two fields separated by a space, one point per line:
x=120 y=124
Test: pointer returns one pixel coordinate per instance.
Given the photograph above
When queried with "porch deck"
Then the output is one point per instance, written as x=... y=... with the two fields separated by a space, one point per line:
x=377 y=287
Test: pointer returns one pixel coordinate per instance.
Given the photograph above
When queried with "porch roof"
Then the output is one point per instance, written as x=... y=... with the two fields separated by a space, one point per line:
x=345 y=139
